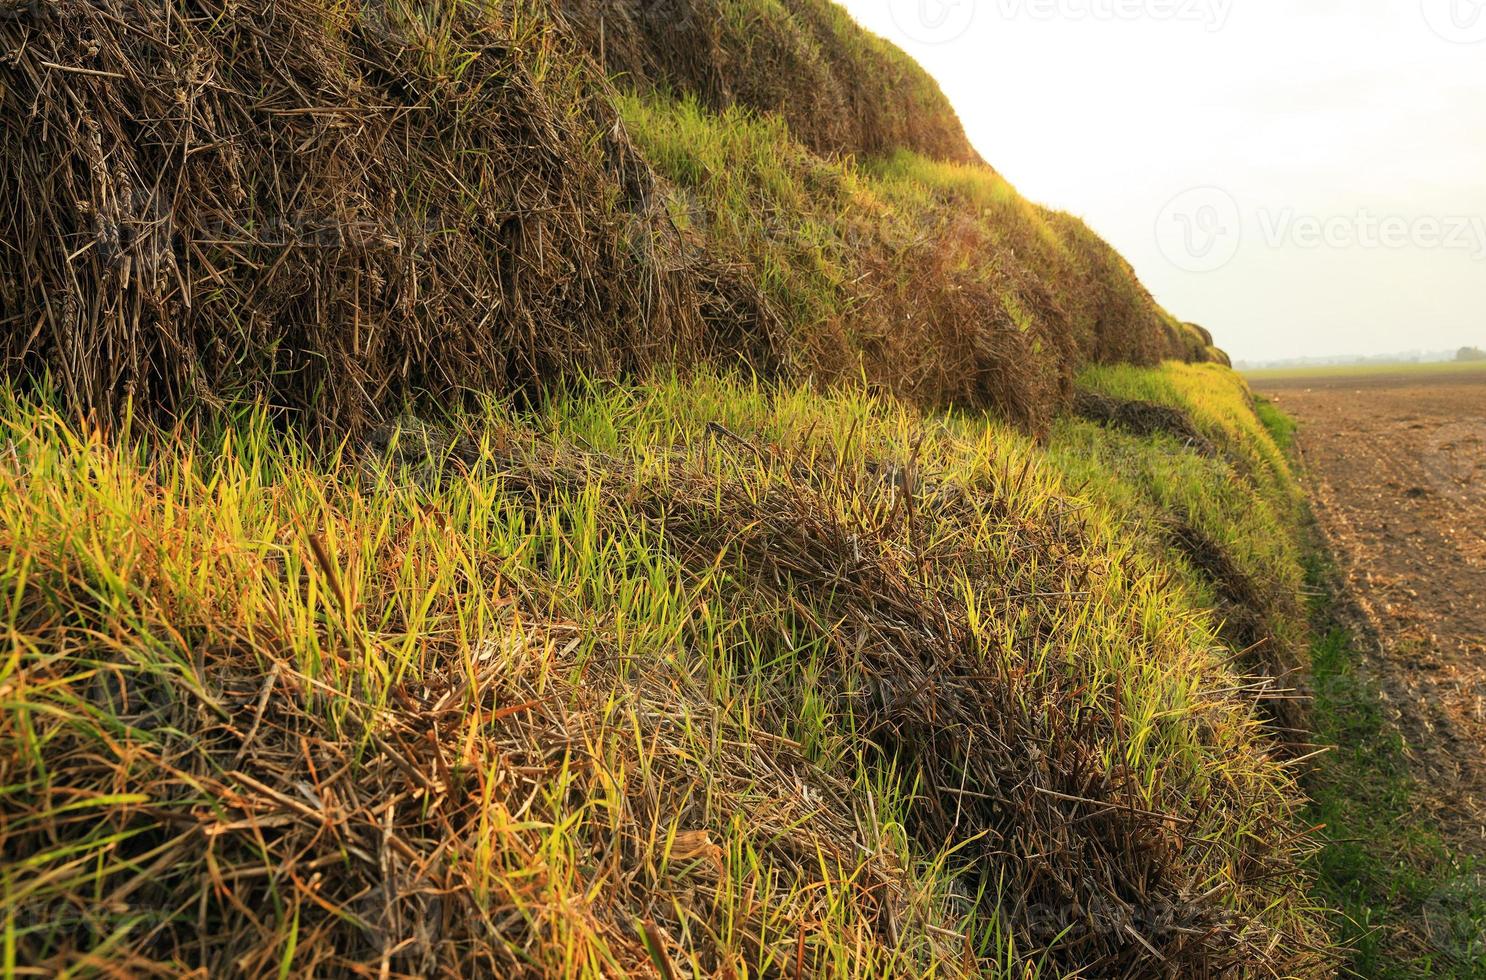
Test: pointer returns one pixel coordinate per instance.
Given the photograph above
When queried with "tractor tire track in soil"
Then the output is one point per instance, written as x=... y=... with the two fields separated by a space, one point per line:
x=1396 y=467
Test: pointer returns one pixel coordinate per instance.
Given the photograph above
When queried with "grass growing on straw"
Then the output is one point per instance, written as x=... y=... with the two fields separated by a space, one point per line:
x=684 y=678
x=1216 y=492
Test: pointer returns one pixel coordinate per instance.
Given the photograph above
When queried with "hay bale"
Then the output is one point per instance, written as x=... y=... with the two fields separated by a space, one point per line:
x=336 y=209
x=842 y=90
x=1009 y=767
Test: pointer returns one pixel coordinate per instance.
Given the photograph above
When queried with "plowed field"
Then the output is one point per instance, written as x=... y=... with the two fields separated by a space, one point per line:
x=1397 y=468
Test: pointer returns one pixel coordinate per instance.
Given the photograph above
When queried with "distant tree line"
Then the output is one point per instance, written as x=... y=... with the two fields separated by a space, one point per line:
x=1470 y=354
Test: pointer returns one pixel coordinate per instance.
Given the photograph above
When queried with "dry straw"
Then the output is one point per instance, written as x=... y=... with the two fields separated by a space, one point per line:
x=333 y=209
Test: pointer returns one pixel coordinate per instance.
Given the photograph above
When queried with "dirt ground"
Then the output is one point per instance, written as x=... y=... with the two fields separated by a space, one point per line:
x=1397 y=470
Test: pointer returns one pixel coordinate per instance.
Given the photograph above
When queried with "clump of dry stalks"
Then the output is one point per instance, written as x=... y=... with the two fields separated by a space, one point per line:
x=406 y=838
x=333 y=208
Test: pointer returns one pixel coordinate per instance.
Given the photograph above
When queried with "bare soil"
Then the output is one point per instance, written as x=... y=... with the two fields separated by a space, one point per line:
x=1397 y=470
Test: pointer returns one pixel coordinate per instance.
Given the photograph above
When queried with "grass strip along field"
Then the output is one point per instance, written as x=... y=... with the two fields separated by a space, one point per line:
x=1406 y=906
x=686 y=678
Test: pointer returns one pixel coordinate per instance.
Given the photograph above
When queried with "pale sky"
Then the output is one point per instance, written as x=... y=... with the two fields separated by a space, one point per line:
x=1303 y=177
